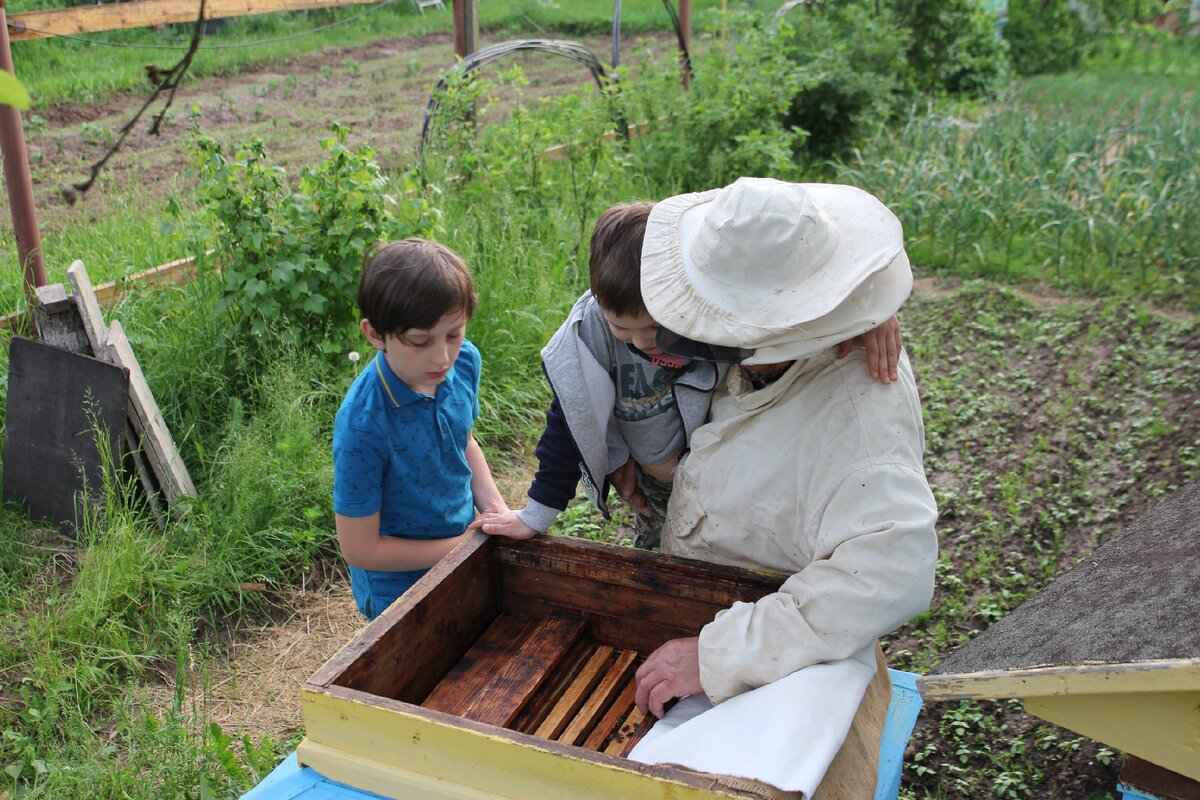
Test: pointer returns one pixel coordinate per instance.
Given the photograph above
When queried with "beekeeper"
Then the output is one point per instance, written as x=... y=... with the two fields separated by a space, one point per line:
x=807 y=467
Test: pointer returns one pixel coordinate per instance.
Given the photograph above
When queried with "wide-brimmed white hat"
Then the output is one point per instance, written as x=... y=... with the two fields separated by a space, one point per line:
x=785 y=269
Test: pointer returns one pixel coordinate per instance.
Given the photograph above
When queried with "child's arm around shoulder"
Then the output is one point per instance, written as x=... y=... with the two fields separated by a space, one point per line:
x=883 y=350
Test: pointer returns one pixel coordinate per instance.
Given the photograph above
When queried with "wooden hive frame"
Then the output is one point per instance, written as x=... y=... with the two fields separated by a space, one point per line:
x=507 y=671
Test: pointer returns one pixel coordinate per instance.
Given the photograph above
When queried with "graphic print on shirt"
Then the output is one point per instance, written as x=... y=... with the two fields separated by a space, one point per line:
x=641 y=396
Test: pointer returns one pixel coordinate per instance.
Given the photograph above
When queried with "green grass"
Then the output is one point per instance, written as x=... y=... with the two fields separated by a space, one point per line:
x=1087 y=181
x=1047 y=429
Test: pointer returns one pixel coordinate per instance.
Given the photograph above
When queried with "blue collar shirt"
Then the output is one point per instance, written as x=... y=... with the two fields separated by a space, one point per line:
x=402 y=454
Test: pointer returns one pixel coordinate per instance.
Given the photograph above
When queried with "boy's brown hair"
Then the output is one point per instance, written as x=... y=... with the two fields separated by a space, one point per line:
x=413 y=283
x=615 y=262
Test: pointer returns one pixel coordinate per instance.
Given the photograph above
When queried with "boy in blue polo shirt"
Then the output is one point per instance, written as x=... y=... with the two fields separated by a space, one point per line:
x=407 y=473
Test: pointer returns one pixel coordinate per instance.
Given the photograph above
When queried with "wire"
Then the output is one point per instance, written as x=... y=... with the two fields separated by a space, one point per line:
x=238 y=45
x=481 y=58
x=526 y=17
x=687 y=56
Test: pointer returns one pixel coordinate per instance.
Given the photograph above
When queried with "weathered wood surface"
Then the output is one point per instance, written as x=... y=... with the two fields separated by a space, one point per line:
x=618 y=676
x=551 y=693
x=57 y=320
x=405 y=651
x=635 y=726
x=580 y=687
x=1153 y=780
x=118 y=16
x=89 y=311
x=500 y=673
x=58 y=404
x=149 y=429
x=404 y=751
x=654 y=573
x=609 y=728
x=148 y=423
x=456 y=643
x=173 y=273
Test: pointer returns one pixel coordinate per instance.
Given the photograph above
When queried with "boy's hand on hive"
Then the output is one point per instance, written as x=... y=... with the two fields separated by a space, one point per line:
x=883 y=350
x=671 y=671
x=503 y=523
x=624 y=480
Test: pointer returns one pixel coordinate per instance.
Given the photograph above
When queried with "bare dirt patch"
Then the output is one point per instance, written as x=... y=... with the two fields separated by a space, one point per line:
x=253 y=688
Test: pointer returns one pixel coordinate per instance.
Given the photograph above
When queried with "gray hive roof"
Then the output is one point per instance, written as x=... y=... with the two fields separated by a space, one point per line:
x=1136 y=599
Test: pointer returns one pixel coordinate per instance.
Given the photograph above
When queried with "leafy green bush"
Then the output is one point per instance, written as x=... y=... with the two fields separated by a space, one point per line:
x=1044 y=36
x=781 y=95
x=953 y=46
x=289 y=260
x=731 y=122
x=854 y=60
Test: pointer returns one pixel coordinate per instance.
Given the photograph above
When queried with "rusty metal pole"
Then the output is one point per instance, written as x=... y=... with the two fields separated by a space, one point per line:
x=18 y=183
x=466 y=27
x=685 y=26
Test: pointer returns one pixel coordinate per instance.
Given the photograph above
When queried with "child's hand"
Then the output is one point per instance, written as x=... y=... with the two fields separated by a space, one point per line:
x=503 y=523
x=883 y=350
x=624 y=480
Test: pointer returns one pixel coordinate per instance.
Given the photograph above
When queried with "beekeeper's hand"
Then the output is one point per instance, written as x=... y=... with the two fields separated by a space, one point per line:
x=671 y=671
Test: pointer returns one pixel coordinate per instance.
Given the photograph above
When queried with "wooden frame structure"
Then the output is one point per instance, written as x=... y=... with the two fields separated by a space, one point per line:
x=1110 y=649
x=507 y=671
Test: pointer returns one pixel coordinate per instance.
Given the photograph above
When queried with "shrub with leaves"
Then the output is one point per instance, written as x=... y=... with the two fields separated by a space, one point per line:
x=289 y=259
x=1044 y=36
x=854 y=58
x=731 y=122
x=953 y=46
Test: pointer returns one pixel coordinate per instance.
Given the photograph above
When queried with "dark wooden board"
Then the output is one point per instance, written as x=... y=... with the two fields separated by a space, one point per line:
x=610 y=723
x=646 y=572
x=56 y=400
x=551 y=693
x=1137 y=598
x=503 y=670
x=576 y=694
x=405 y=651
x=57 y=320
x=539 y=639
x=633 y=605
x=1158 y=781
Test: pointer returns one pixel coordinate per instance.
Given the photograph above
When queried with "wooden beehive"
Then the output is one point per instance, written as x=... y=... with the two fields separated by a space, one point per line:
x=508 y=672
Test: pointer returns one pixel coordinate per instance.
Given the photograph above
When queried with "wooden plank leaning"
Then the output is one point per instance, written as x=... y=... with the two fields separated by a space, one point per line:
x=150 y=431
x=148 y=423
x=89 y=311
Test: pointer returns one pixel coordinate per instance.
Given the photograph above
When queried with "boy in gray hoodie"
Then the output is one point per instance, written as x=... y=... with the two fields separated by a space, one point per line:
x=623 y=410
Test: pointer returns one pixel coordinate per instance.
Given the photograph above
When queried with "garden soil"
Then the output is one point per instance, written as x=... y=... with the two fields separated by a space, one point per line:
x=380 y=90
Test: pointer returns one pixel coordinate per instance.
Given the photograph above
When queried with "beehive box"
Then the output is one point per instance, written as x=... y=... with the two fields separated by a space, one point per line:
x=508 y=671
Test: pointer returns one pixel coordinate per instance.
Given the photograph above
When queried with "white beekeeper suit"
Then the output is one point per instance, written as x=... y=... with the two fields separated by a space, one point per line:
x=817 y=474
